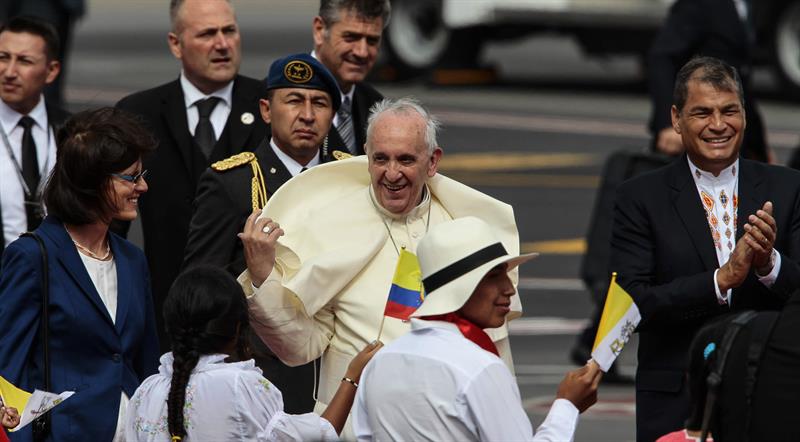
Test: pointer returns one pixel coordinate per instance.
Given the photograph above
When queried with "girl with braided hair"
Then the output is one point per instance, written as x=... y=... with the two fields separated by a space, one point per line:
x=207 y=388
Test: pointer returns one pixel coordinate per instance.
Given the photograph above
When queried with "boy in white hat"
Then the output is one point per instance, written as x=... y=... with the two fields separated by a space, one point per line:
x=443 y=380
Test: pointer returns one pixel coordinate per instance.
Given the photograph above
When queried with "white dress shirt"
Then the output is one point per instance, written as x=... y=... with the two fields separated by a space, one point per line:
x=224 y=402
x=434 y=384
x=291 y=165
x=711 y=185
x=218 y=117
x=12 y=196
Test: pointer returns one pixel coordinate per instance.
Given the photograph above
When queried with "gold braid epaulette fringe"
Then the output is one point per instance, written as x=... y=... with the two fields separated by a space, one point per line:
x=258 y=190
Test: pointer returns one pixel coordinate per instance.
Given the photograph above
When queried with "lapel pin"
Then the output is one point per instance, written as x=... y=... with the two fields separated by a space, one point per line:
x=272 y=170
x=247 y=118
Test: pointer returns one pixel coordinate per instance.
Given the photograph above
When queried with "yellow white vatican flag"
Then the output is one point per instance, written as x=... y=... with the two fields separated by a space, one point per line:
x=29 y=405
x=619 y=320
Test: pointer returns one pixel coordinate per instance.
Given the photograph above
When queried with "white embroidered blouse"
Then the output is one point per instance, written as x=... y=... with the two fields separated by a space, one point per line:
x=224 y=401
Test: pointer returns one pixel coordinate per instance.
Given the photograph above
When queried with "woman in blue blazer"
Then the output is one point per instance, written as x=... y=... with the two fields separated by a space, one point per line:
x=102 y=338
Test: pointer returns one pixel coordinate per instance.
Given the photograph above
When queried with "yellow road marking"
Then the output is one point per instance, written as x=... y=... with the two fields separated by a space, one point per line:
x=515 y=161
x=526 y=180
x=573 y=246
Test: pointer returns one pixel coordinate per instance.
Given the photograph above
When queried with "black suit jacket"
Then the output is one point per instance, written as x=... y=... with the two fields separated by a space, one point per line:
x=703 y=27
x=665 y=258
x=56 y=117
x=364 y=97
x=222 y=206
x=175 y=167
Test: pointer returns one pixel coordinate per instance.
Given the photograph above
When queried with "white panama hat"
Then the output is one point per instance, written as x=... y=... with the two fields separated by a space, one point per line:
x=454 y=256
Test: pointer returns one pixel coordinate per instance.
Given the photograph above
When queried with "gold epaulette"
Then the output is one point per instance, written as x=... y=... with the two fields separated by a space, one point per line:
x=240 y=159
x=339 y=155
x=258 y=189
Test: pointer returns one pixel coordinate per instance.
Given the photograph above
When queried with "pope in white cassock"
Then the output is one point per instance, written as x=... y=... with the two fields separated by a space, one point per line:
x=322 y=255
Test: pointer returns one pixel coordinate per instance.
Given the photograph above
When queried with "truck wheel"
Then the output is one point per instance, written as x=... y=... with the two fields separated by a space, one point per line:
x=786 y=47
x=417 y=39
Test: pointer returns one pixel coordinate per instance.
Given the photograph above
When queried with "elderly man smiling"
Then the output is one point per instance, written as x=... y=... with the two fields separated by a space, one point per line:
x=320 y=264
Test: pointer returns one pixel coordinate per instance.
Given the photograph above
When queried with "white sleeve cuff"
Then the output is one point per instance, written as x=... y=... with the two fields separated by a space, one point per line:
x=723 y=300
x=769 y=279
x=560 y=423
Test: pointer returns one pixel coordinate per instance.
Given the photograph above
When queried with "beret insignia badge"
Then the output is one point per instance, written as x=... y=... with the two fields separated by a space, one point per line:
x=298 y=72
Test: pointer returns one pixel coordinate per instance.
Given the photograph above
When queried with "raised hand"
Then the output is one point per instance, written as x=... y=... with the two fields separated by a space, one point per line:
x=260 y=238
x=761 y=231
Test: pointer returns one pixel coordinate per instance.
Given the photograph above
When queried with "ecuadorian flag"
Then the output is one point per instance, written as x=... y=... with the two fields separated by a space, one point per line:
x=617 y=324
x=406 y=293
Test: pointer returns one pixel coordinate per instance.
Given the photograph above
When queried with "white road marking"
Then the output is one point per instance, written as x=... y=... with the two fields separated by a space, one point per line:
x=544 y=325
x=566 y=284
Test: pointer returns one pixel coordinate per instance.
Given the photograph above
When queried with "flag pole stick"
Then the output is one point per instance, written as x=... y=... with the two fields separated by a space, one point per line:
x=380 y=331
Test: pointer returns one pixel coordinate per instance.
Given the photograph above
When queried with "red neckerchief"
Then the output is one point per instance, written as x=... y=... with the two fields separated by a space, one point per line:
x=468 y=329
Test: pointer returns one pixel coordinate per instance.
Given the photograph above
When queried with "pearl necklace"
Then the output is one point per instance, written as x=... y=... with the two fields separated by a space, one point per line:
x=92 y=254
x=86 y=250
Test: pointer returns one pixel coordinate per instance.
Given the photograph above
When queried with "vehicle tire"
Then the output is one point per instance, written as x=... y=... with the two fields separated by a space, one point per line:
x=786 y=47
x=417 y=39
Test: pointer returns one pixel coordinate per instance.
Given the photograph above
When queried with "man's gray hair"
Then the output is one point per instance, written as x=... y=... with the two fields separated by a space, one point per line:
x=329 y=10
x=174 y=8
x=405 y=106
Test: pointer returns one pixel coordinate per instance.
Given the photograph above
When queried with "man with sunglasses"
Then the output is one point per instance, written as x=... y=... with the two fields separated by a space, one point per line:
x=28 y=63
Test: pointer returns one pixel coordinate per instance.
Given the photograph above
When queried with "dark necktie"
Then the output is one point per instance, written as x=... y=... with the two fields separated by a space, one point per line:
x=30 y=173
x=204 y=131
x=345 y=127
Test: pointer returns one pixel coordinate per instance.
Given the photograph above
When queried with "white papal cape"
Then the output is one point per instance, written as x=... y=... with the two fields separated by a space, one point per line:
x=334 y=265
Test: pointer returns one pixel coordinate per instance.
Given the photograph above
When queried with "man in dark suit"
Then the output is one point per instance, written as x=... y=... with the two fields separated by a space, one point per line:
x=717 y=28
x=707 y=234
x=28 y=63
x=347 y=36
x=206 y=115
x=300 y=103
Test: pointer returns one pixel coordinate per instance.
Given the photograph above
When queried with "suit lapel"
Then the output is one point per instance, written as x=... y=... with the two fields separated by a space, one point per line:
x=334 y=141
x=175 y=117
x=67 y=255
x=275 y=173
x=124 y=282
x=238 y=131
x=360 y=113
x=751 y=196
x=690 y=210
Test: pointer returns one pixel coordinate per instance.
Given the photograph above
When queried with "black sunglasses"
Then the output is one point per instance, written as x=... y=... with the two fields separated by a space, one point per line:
x=131 y=178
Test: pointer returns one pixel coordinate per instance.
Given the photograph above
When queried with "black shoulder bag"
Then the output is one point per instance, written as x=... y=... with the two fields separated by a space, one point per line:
x=41 y=425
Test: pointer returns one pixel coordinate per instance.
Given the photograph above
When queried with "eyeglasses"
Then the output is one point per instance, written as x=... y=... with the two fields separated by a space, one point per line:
x=131 y=178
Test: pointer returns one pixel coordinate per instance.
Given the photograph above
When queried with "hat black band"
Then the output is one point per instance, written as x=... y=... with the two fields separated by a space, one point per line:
x=463 y=266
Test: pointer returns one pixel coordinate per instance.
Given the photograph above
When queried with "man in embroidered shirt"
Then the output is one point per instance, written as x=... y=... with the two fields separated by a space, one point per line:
x=707 y=234
x=322 y=290
x=28 y=63
x=447 y=382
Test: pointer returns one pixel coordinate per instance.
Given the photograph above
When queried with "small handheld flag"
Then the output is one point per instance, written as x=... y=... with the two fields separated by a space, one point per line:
x=406 y=292
x=30 y=406
x=619 y=320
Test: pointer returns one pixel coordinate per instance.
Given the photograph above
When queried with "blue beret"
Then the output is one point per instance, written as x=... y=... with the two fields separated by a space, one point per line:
x=303 y=71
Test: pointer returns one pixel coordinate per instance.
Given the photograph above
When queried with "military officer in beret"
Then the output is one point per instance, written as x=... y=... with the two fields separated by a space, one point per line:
x=302 y=97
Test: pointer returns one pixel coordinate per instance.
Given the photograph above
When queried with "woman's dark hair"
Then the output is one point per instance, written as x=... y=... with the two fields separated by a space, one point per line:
x=91 y=146
x=204 y=312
